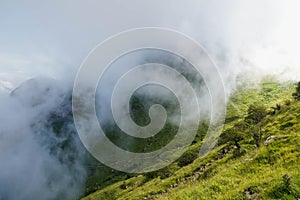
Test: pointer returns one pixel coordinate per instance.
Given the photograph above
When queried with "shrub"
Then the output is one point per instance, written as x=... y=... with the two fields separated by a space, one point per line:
x=188 y=157
x=256 y=113
x=285 y=189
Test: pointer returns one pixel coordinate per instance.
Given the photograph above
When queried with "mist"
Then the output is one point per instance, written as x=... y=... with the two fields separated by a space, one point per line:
x=32 y=164
x=47 y=41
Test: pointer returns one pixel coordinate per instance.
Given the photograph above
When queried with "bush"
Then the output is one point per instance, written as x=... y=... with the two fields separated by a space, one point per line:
x=239 y=152
x=287 y=102
x=188 y=157
x=162 y=173
x=286 y=189
x=256 y=113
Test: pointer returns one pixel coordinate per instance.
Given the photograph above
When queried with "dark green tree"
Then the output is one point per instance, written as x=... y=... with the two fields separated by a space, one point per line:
x=296 y=94
x=235 y=134
x=256 y=133
x=256 y=114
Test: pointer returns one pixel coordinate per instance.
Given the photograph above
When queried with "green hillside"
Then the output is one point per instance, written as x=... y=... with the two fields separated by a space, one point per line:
x=257 y=157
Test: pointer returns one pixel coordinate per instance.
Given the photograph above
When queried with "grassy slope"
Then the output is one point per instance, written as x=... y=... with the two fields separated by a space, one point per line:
x=257 y=173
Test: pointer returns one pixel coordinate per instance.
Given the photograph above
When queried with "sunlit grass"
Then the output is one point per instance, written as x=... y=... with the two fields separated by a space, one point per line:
x=269 y=172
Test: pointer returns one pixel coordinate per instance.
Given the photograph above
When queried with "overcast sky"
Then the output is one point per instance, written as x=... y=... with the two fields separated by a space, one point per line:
x=52 y=37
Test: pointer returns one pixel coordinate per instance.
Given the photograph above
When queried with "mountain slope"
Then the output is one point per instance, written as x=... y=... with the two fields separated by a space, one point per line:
x=264 y=167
